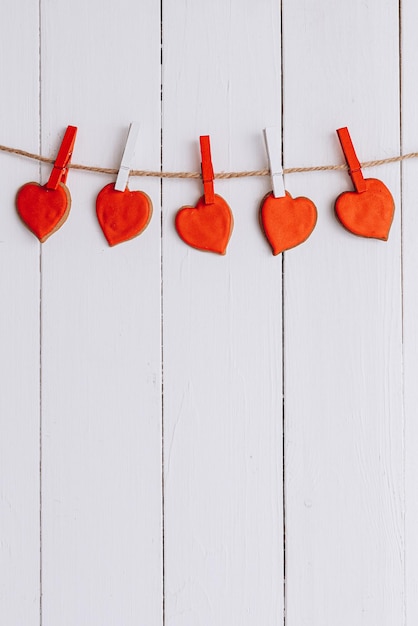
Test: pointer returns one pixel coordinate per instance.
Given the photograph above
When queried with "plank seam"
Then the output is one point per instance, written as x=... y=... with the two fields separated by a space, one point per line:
x=162 y=325
x=283 y=337
x=40 y=324
x=401 y=175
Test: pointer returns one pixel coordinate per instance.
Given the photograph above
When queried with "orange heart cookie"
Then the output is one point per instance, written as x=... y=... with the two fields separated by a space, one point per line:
x=122 y=215
x=287 y=221
x=369 y=213
x=206 y=226
x=43 y=210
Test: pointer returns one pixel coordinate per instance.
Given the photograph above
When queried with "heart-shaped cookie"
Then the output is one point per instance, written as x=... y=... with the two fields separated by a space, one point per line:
x=122 y=215
x=206 y=226
x=43 y=210
x=287 y=221
x=369 y=213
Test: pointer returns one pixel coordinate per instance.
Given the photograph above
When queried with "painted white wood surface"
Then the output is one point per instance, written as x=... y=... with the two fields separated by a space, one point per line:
x=101 y=321
x=19 y=327
x=222 y=325
x=113 y=319
x=343 y=339
x=410 y=300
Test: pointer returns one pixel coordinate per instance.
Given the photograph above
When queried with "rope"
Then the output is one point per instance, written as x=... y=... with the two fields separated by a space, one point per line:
x=220 y=175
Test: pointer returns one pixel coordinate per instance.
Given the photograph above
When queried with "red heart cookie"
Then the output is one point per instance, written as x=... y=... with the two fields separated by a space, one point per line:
x=43 y=210
x=287 y=221
x=122 y=215
x=206 y=226
x=369 y=213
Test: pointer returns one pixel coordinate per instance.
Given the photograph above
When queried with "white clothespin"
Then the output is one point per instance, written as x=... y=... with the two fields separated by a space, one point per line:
x=127 y=158
x=273 y=139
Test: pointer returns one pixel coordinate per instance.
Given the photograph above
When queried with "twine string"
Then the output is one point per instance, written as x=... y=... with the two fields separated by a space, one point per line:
x=219 y=175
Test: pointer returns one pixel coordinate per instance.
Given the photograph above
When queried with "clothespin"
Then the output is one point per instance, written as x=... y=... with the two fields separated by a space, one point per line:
x=60 y=170
x=354 y=168
x=127 y=158
x=207 y=170
x=273 y=139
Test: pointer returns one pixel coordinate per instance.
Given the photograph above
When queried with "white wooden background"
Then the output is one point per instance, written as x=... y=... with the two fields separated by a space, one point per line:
x=195 y=440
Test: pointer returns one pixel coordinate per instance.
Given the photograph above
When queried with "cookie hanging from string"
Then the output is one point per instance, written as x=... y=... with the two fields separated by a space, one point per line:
x=44 y=208
x=208 y=225
x=368 y=211
x=287 y=222
x=123 y=214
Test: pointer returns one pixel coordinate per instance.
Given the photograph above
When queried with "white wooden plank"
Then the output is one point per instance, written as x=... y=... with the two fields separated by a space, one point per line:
x=222 y=325
x=410 y=300
x=19 y=328
x=343 y=387
x=101 y=327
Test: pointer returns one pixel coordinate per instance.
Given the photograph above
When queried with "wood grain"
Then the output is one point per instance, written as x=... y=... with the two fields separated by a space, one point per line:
x=101 y=354
x=149 y=381
x=410 y=302
x=19 y=327
x=343 y=334
x=222 y=325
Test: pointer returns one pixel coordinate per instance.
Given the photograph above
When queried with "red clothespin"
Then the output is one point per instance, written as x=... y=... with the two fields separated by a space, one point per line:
x=60 y=170
x=353 y=163
x=207 y=170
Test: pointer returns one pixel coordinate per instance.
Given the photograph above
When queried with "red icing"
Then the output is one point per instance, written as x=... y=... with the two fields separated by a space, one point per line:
x=367 y=214
x=206 y=226
x=122 y=215
x=287 y=222
x=43 y=210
